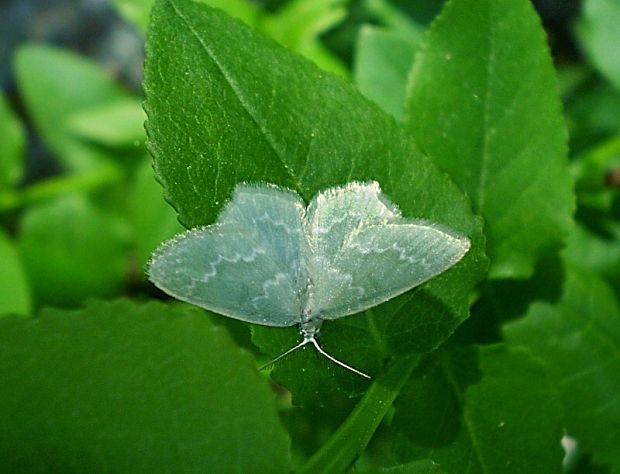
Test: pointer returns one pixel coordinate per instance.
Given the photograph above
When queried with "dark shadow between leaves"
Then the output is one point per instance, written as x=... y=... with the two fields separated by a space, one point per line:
x=429 y=407
x=501 y=301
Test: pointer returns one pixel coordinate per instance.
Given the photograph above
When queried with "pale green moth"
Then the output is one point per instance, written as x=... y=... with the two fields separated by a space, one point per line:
x=269 y=259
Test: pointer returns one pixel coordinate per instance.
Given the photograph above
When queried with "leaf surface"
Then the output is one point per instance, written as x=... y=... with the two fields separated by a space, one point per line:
x=298 y=24
x=424 y=466
x=226 y=105
x=383 y=58
x=12 y=137
x=599 y=34
x=138 y=11
x=126 y=387
x=483 y=103
x=578 y=339
x=152 y=218
x=500 y=416
x=56 y=84
x=14 y=288
x=115 y=124
x=71 y=250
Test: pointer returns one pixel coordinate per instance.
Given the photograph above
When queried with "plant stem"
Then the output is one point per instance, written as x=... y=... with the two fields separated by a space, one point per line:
x=351 y=438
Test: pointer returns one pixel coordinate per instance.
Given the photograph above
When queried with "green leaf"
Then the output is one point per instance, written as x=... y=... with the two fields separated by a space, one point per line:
x=503 y=419
x=14 y=289
x=72 y=251
x=406 y=19
x=245 y=10
x=12 y=137
x=514 y=433
x=592 y=167
x=483 y=102
x=152 y=218
x=138 y=11
x=351 y=438
x=114 y=124
x=572 y=77
x=594 y=251
x=382 y=61
x=226 y=105
x=424 y=466
x=56 y=84
x=592 y=116
x=49 y=188
x=298 y=25
x=579 y=341
x=599 y=35
x=122 y=387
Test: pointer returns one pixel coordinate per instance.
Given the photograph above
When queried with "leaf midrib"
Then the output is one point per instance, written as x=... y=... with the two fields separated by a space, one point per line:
x=239 y=95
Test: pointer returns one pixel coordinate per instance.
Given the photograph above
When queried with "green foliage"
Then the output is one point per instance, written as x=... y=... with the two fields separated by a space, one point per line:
x=384 y=55
x=138 y=12
x=458 y=118
x=300 y=147
x=578 y=338
x=11 y=152
x=14 y=289
x=114 y=124
x=155 y=222
x=599 y=33
x=56 y=85
x=416 y=467
x=460 y=411
x=297 y=25
x=72 y=250
x=91 y=390
x=483 y=103
x=381 y=67
x=353 y=435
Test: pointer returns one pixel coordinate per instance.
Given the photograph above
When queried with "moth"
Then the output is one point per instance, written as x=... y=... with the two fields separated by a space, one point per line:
x=269 y=259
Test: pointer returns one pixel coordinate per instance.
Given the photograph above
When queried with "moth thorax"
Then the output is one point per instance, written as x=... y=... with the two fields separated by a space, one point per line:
x=309 y=326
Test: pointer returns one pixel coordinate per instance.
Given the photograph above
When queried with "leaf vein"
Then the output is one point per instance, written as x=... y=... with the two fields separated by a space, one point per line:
x=239 y=94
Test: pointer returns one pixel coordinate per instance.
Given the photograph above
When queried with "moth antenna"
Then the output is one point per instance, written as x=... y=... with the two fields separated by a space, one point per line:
x=321 y=351
x=269 y=364
x=333 y=359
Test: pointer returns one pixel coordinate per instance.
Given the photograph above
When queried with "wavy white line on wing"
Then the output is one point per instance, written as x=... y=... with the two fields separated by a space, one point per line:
x=278 y=278
x=235 y=259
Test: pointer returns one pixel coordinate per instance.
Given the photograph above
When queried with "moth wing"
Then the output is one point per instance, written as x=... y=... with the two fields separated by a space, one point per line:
x=248 y=266
x=335 y=213
x=380 y=262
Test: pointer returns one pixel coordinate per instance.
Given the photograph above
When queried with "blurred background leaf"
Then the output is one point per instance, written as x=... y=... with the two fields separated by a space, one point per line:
x=14 y=288
x=153 y=219
x=115 y=124
x=383 y=60
x=600 y=35
x=299 y=23
x=56 y=84
x=12 y=137
x=72 y=250
x=127 y=387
